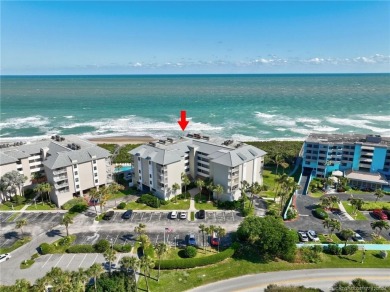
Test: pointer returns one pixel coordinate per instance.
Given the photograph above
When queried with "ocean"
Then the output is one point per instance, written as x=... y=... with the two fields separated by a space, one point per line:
x=243 y=107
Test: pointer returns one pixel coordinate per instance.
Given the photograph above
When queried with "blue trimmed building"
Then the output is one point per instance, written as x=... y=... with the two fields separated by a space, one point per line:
x=363 y=159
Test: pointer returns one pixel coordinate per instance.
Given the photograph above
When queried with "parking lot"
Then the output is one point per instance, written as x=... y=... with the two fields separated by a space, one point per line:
x=163 y=218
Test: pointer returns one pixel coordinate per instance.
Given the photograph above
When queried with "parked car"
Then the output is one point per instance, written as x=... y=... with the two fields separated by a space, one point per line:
x=303 y=236
x=183 y=215
x=127 y=214
x=201 y=214
x=108 y=215
x=357 y=237
x=93 y=202
x=4 y=257
x=312 y=235
x=214 y=239
x=387 y=212
x=191 y=239
x=379 y=214
x=173 y=214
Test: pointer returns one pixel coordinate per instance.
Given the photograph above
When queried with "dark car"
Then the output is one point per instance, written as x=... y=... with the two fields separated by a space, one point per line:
x=191 y=239
x=108 y=215
x=127 y=214
x=201 y=214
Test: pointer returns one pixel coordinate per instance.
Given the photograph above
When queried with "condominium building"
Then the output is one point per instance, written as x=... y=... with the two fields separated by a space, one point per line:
x=70 y=164
x=159 y=165
x=363 y=159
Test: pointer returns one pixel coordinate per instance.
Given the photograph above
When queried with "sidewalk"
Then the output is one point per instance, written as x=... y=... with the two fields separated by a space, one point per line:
x=344 y=212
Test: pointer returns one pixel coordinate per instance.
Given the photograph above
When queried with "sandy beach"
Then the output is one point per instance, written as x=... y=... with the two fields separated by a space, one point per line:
x=122 y=140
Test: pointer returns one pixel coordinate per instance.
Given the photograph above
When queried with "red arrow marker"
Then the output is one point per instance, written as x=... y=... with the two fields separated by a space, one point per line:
x=183 y=122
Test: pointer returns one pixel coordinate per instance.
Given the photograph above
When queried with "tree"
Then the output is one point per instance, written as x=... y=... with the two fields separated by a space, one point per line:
x=94 y=196
x=134 y=265
x=356 y=203
x=199 y=184
x=380 y=224
x=79 y=279
x=346 y=234
x=334 y=200
x=114 y=188
x=279 y=159
x=95 y=271
x=332 y=225
x=255 y=189
x=110 y=256
x=219 y=191
x=21 y=285
x=210 y=230
x=284 y=165
x=379 y=194
x=126 y=264
x=202 y=229
x=104 y=195
x=269 y=237
x=209 y=186
x=175 y=188
x=140 y=229
x=185 y=182
x=46 y=188
x=221 y=232
x=161 y=249
x=20 y=224
x=59 y=279
x=144 y=242
x=38 y=190
x=66 y=220
x=325 y=202
x=146 y=264
x=9 y=182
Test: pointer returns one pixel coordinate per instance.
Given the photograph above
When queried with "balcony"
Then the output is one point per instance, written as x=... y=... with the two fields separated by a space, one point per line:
x=62 y=191
x=59 y=171
x=60 y=186
x=60 y=178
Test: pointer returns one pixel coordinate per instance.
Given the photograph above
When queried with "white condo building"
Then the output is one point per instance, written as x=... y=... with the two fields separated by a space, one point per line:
x=70 y=164
x=159 y=165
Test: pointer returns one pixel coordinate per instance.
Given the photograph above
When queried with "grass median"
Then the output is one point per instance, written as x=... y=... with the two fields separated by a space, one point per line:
x=15 y=245
x=356 y=214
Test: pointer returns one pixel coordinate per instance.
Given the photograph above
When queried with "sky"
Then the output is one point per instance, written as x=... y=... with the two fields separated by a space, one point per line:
x=184 y=37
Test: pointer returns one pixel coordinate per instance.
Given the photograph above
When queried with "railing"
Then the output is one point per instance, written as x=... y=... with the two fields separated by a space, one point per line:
x=60 y=178
x=60 y=186
x=60 y=171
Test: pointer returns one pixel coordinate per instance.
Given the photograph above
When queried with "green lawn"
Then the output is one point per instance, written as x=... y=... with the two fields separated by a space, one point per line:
x=186 y=279
x=180 y=205
x=358 y=216
x=377 y=205
x=16 y=245
x=6 y=208
x=317 y=194
x=174 y=253
x=40 y=206
x=323 y=238
x=109 y=147
x=203 y=204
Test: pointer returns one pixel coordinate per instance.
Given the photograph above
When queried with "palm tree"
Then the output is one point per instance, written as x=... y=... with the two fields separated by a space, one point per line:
x=126 y=263
x=59 y=279
x=114 y=188
x=255 y=189
x=20 y=224
x=134 y=265
x=381 y=224
x=219 y=191
x=185 y=181
x=210 y=230
x=209 y=186
x=46 y=188
x=325 y=202
x=140 y=229
x=66 y=220
x=284 y=165
x=356 y=203
x=95 y=271
x=221 y=232
x=379 y=194
x=144 y=242
x=110 y=256
x=79 y=279
x=202 y=229
x=146 y=264
x=199 y=184
x=334 y=200
x=332 y=225
x=41 y=284
x=94 y=196
x=346 y=234
x=104 y=196
x=161 y=249
x=38 y=190
x=278 y=160
x=175 y=188
x=22 y=285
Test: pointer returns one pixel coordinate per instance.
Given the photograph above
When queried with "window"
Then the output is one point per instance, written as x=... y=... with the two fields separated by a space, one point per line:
x=150 y=182
x=150 y=175
x=94 y=168
x=77 y=186
x=75 y=166
x=94 y=161
x=96 y=181
x=76 y=179
x=96 y=174
x=139 y=170
x=76 y=173
x=150 y=162
x=139 y=158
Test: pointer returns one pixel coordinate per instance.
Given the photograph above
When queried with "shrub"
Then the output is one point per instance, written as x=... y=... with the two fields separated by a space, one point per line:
x=150 y=200
x=309 y=255
x=229 y=205
x=122 y=205
x=69 y=204
x=79 y=208
x=333 y=249
x=383 y=254
x=190 y=252
x=34 y=256
x=368 y=206
x=272 y=213
x=149 y=250
x=291 y=213
x=81 y=248
x=349 y=249
x=46 y=248
x=317 y=248
x=18 y=200
x=102 y=245
x=65 y=241
x=122 y=248
x=195 y=262
x=320 y=213
x=247 y=211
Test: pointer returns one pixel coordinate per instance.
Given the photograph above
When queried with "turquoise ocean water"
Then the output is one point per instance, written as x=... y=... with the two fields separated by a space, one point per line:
x=245 y=107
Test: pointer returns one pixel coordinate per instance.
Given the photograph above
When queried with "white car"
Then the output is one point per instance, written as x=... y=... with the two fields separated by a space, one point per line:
x=312 y=235
x=183 y=215
x=4 y=257
x=357 y=237
x=303 y=236
x=173 y=214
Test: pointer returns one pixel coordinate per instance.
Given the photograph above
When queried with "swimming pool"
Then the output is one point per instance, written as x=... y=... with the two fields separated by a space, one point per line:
x=124 y=169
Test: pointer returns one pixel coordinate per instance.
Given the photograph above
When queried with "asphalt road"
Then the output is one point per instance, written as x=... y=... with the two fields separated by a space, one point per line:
x=322 y=278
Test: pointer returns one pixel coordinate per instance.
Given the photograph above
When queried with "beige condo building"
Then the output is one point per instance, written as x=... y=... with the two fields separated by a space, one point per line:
x=71 y=165
x=158 y=165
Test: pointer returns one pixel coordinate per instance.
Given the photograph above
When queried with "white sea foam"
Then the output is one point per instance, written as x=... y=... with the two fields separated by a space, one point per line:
x=361 y=124
x=264 y=116
x=322 y=128
x=308 y=120
x=244 y=138
x=68 y=117
x=302 y=131
x=377 y=118
x=281 y=129
x=23 y=123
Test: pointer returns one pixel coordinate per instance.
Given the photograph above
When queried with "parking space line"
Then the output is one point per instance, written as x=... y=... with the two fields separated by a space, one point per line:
x=82 y=260
x=142 y=215
x=223 y=213
x=59 y=260
x=16 y=218
x=6 y=218
x=44 y=217
x=5 y=242
x=47 y=261
x=95 y=259
x=132 y=216
x=159 y=218
x=70 y=260
x=215 y=217
x=151 y=215
x=116 y=238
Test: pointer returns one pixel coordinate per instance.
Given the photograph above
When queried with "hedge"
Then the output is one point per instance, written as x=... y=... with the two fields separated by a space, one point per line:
x=81 y=248
x=368 y=206
x=349 y=249
x=122 y=248
x=122 y=205
x=151 y=201
x=190 y=252
x=195 y=262
x=320 y=213
x=46 y=248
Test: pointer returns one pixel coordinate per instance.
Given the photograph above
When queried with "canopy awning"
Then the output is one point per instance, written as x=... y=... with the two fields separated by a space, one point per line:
x=337 y=173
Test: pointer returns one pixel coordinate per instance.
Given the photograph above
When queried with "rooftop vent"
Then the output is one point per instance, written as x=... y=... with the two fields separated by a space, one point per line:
x=242 y=156
x=170 y=140
x=227 y=142
x=190 y=135
x=152 y=144
x=162 y=141
x=373 y=138
x=207 y=138
x=197 y=136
